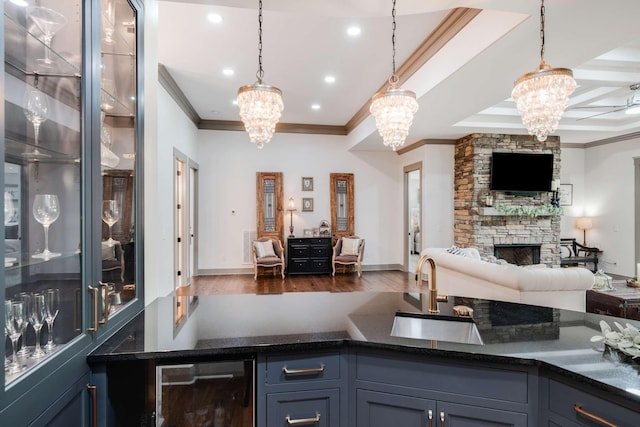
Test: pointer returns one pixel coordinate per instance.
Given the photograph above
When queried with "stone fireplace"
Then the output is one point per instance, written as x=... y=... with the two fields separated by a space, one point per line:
x=518 y=254
x=484 y=227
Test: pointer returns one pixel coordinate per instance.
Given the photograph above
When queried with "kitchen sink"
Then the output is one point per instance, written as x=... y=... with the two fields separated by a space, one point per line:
x=436 y=327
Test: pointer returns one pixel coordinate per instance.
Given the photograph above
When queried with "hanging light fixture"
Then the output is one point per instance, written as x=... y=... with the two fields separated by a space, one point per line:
x=260 y=104
x=394 y=107
x=542 y=95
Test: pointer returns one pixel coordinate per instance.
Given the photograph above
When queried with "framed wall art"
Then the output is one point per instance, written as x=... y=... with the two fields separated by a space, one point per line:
x=307 y=204
x=307 y=183
x=566 y=194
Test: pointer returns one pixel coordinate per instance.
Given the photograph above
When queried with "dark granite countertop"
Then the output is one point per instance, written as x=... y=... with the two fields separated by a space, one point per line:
x=223 y=325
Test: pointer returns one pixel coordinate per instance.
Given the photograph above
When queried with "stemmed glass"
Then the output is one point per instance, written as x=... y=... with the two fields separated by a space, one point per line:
x=37 y=316
x=14 y=317
x=110 y=215
x=46 y=211
x=52 y=304
x=36 y=109
x=25 y=297
x=49 y=22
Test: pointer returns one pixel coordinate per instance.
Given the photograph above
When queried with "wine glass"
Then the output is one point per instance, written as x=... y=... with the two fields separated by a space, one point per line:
x=46 y=211
x=25 y=297
x=36 y=109
x=52 y=304
x=49 y=22
x=37 y=316
x=110 y=215
x=14 y=317
x=108 y=20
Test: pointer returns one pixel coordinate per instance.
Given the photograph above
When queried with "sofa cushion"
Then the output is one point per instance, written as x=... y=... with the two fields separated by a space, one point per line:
x=264 y=249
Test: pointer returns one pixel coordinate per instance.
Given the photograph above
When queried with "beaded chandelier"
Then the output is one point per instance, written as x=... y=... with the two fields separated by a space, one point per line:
x=260 y=104
x=543 y=94
x=393 y=108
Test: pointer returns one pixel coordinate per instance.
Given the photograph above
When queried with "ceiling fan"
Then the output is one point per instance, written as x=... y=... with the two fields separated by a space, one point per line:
x=631 y=107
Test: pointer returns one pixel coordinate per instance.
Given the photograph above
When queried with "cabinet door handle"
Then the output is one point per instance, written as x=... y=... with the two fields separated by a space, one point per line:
x=317 y=370
x=93 y=392
x=94 y=291
x=430 y=418
x=299 y=421
x=106 y=306
x=441 y=419
x=592 y=417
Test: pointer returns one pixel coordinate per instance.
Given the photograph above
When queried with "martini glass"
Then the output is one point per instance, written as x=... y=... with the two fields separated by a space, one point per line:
x=49 y=22
x=36 y=109
x=46 y=211
x=110 y=215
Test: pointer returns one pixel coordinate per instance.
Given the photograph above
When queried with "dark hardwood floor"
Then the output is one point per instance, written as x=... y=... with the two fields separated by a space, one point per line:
x=378 y=281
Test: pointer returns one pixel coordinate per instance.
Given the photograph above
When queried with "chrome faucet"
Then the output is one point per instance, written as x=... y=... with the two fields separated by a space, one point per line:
x=433 y=289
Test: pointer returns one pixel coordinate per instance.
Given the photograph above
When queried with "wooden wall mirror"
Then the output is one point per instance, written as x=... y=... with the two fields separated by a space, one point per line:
x=342 y=217
x=269 y=205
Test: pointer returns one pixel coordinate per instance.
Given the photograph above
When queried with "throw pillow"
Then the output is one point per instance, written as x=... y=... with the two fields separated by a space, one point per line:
x=350 y=246
x=454 y=250
x=264 y=249
x=471 y=253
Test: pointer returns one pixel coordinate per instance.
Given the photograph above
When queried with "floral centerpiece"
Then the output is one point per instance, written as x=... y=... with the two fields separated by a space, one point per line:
x=625 y=340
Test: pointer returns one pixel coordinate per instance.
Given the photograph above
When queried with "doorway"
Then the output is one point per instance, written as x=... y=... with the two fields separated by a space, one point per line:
x=413 y=215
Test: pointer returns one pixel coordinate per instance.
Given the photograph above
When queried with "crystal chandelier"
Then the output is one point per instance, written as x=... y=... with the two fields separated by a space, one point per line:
x=260 y=104
x=543 y=94
x=394 y=107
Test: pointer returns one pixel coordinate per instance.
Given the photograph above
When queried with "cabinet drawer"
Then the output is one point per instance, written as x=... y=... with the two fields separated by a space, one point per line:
x=318 y=408
x=300 y=368
x=563 y=398
x=320 y=251
x=299 y=251
x=320 y=265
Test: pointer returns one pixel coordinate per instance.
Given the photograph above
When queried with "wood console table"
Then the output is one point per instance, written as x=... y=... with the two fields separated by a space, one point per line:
x=622 y=302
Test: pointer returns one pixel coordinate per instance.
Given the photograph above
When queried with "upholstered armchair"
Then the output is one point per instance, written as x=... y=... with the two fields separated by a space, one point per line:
x=112 y=263
x=267 y=253
x=348 y=251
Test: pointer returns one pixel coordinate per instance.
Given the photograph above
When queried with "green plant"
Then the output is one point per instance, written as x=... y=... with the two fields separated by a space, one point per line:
x=529 y=211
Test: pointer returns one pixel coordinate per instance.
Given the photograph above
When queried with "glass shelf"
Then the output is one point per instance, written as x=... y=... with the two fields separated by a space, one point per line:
x=26 y=259
x=19 y=152
x=18 y=41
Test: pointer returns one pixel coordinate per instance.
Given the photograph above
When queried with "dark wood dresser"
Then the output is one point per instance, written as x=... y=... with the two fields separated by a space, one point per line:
x=309 y=255
x=622 y=302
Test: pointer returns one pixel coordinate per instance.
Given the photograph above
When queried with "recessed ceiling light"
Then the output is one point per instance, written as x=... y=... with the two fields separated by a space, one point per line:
x=228 y=72
x=330 y=79
x=215 y=18
x=353 y=31
x=234 y=102
x=315 y=106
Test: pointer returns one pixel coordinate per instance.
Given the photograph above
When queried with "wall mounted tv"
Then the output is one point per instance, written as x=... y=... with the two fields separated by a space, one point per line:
x=521 y=172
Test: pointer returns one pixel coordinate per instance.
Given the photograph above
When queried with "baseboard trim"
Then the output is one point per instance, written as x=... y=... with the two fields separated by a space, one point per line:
x=230 y=271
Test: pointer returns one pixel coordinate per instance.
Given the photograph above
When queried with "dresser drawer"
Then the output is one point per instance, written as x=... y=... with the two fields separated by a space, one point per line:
x=320 y=251
x=317 y=408
x=320 y=265
x=299 y=251
x=301 y=368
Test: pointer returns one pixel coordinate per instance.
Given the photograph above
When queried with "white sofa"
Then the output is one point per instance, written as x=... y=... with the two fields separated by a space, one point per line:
x=538 y=285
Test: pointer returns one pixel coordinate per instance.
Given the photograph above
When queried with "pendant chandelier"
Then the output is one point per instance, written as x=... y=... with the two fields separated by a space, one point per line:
x=394 y=107
x=260 y=104
x=542 y=95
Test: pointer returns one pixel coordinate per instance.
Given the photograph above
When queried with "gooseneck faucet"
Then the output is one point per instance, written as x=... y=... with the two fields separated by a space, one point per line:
x=433 y=289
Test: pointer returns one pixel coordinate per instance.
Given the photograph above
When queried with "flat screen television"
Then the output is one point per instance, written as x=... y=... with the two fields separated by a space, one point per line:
x=521 y=172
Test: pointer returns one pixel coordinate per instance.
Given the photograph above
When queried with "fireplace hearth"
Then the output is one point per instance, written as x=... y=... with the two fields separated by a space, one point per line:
x=518 y=253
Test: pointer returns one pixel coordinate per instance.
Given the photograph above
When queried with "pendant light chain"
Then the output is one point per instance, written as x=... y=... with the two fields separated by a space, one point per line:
x=542 y=31
x=393 y=37
x=260 y=72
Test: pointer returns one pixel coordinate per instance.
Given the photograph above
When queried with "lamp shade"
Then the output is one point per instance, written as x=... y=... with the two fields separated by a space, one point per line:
x=584 y=223
x=291 y=205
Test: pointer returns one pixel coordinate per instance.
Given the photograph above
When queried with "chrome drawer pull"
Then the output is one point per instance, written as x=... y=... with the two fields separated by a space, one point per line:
x=592 y=417
x=288 y=371
x=313 y=420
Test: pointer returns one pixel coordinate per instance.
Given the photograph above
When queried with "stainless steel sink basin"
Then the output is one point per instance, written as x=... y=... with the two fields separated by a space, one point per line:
x=436 y=327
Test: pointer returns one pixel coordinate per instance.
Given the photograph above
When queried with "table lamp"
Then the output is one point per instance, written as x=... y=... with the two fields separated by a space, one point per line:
x=291 y=207
x=584 y=224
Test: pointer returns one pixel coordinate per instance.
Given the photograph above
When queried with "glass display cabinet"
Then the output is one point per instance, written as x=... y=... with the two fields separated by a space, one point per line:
x=72 y=179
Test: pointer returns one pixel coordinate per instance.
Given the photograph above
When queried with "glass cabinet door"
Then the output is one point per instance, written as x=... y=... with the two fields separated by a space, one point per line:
x=119 y=139
x=43 y=187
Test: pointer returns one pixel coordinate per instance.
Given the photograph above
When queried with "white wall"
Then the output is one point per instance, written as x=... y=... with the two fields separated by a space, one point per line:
x=572 y=172
x=228 y=166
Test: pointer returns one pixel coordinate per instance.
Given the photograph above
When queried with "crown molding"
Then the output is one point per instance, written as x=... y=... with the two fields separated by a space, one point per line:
x=422 y=142
x=236 y=125
x=170 y=85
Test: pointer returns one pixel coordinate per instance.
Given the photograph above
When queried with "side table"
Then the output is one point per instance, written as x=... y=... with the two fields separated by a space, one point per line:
x=622 y=302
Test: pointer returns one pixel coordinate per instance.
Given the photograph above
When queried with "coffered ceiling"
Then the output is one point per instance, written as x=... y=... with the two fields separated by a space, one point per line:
x=460 y=57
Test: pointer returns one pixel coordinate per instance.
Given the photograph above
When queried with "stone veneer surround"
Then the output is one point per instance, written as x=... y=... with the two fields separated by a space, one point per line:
x=476 y=226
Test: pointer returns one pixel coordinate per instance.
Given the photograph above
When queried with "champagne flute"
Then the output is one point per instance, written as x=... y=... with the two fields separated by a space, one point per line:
x=36 y=109
x=110 y=215
x=46 y=211
x=37 y=316
x=52 y=304
x=49 y=22
x=25 y=297
x=13 y=319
